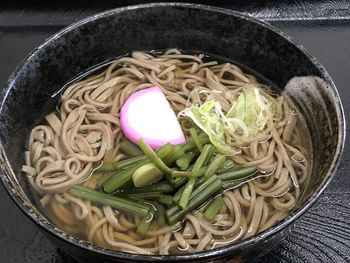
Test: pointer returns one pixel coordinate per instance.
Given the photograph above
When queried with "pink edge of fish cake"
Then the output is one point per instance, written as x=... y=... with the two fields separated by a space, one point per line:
x=134 y=116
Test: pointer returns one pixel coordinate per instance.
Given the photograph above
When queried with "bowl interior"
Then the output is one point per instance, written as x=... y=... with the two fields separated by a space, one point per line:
x=29 y=94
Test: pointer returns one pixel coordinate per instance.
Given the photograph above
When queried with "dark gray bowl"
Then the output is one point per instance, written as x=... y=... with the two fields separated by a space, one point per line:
x=255 y=44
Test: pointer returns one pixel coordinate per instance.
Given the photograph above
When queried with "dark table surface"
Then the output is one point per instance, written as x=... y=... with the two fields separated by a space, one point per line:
x=323 y=27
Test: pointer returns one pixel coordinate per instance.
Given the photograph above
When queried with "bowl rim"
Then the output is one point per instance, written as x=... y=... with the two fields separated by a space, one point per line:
x=207 y=254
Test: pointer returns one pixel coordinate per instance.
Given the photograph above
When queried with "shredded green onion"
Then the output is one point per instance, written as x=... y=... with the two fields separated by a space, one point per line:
x=248 y=115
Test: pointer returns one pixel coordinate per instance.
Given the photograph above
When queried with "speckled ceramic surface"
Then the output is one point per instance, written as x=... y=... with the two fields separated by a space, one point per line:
x=29 y=91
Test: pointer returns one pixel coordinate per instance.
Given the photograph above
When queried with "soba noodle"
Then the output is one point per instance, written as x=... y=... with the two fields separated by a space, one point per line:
x=64 y=150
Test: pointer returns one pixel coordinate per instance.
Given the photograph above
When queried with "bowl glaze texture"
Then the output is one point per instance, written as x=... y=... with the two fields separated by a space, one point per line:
x=28 y=96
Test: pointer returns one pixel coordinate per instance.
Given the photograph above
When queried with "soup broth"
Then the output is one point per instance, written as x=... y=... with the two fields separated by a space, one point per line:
x=75 y=154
